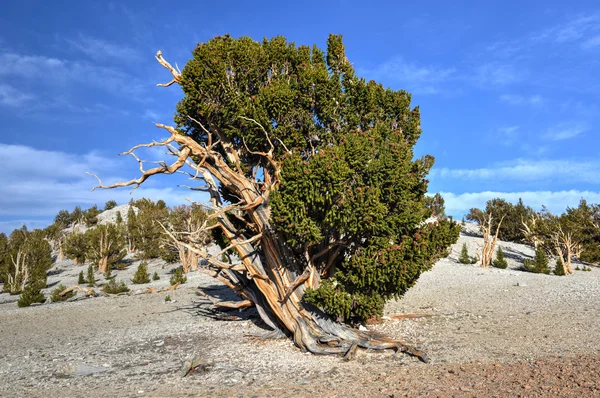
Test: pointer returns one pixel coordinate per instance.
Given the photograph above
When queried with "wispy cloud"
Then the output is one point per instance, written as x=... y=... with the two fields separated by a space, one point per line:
x=508 y=134
x=10 y=96
x=54 y=71
x=102 y=50
x=416 y=78
x=36 y=183
x=555 y=201
x=513 y=99
x=527 y=170
x=497 y=74
x=575 y=29
x=565 y=131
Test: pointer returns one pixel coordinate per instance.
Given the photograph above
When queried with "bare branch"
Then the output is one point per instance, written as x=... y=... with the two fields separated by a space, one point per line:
x=176 y=74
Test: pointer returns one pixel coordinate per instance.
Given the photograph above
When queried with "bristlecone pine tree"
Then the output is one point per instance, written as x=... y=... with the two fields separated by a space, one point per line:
x=464 y=255
x=500 y=261
x=313 y=184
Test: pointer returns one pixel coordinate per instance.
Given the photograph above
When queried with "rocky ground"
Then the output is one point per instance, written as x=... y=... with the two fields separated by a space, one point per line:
x=488 y=332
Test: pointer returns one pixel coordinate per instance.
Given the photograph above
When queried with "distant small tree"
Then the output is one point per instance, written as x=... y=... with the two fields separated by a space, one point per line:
x=141 y=275
x=112 y=287
x=90 y=216
x=106 y=246
x=435 y=206
x=31 y=294
x=81 y=279
x=55 y=296
x=119 y=219
x=63 y=218
x=559 y=268
x=178 y=277
x=27 y=258
x=500 y=261
x=464 y=255
x=539 y=265
x=187 y=225
x=111 y=204
x=76 y=247
x=91 y=278
x=77 y=216
x=155 y=276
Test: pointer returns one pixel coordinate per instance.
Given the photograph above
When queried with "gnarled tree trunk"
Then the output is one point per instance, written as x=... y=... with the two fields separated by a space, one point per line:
x=272 y=278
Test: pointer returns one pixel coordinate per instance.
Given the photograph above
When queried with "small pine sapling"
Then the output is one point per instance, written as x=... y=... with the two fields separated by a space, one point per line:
x=141 y=276
x=167 y=298
x=178 y=277
x=539 y=264
x=112 y=287
x=31 y=294
x=500 y=261
x=55 y=296
x=81 y=279
x=559 y=268
x=155 y=277
x=464 y=255
x=91 y=279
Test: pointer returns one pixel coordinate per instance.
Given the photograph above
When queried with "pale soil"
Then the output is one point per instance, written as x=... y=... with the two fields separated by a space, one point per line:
x=488 y=332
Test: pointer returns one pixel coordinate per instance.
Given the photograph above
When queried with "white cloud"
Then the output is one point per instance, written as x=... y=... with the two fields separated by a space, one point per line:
x=565 y=131
x=54 y=71
x=10 y=96
x=36 y=184
x=416 y=78
x=102 y=50
x=555 y=201
x=527 y=170
x=533 y=100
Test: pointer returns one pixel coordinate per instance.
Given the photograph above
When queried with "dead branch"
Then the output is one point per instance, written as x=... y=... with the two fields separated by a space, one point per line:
x=163 y=169
x=176 y=74
x=87 y=292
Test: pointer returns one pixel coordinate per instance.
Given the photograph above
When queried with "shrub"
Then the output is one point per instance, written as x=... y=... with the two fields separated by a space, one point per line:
x=178 y=277
x=167 y=298
x=155 y=277
x=81 y=279
x=55 y=296
x=559 y=268
x=500 y=261
x=91 y=279
x=111 y=204
x=31 y=294
x=141 y=276
x=113 y=287
x=539 y=264
x=75 y=247
x=464 y=255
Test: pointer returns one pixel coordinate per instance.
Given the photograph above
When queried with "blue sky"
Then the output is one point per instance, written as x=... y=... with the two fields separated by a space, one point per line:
x=509 y=92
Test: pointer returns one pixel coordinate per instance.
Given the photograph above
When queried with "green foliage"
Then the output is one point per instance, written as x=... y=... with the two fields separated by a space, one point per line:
x=90 y=216
x=167 y=298
x=178 y=276
x=26 y=257
x=31 y=294
x=500 y=261
x=91 y=278
x=112 y=287
x=63 y=218
x=111 y=204
x=350 y=175
x=559 y=268
x=81 y=278
x=435 y=206
x=105 y=243
x=585 y=224
x=464 y=255
x=55 y=296
x=76 y=247
x=119 y=218
x=511 y=216
x=155 y=276
x=144 y=228
x=539 y=264
x=141 y=275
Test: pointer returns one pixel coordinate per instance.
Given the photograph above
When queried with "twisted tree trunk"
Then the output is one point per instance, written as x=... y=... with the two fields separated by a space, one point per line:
x=269 y=276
